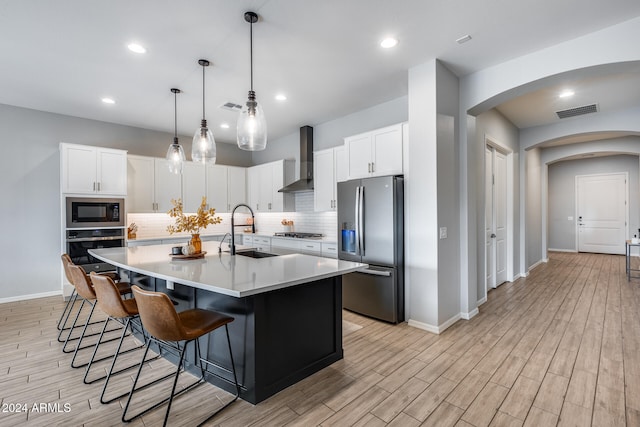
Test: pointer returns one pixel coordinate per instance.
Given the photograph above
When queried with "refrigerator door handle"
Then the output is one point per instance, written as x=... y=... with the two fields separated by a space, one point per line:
x=361 y=221
x=375 y=272
x=357 y=220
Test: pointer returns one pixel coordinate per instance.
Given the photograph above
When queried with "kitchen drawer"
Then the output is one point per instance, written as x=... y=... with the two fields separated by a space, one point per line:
x=314 y=248
x=286 y=243
x=132 y=243
x=330 y=250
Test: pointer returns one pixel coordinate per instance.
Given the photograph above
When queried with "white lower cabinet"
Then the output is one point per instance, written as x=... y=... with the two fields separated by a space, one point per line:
x=330 y=250
x=259 y=243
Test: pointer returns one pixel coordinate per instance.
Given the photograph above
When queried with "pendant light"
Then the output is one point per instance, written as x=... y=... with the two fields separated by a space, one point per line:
x=175 y=153
x=203 y=148
x=252 y=125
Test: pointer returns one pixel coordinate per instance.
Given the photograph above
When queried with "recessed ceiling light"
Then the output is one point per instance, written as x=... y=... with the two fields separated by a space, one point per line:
x=135 y=47
x=281 y=97
x=463 y=39
x=108 y=100
x=389 y=42
x=566 y=94
x=224 y=125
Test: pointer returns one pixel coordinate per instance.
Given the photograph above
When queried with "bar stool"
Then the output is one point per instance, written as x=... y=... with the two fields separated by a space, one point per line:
x=124 y=311
x=83 y=286
x=64 y=317
x=167 y=328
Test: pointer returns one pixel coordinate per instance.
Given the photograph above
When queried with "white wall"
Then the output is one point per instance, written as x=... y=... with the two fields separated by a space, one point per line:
x=562 y=194
x=30 y=193
x=533 y=208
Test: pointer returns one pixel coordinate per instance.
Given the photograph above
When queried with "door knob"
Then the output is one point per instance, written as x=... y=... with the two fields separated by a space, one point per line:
x=493 y=236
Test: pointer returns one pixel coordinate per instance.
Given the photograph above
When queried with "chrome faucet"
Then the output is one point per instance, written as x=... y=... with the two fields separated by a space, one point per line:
x=222 y=241
x=253 y=226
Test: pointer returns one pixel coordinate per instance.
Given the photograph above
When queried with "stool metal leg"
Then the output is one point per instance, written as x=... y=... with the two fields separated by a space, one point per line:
x=173 y=392
x=126 y=326
x=235 y=379
x=68 y=306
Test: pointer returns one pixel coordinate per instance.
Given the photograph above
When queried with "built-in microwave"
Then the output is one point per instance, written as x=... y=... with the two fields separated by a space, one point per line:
x=88 y=212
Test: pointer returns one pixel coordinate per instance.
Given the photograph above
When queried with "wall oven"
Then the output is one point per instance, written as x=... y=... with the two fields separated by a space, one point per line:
x=80 y=241
x=86 y=212
x=93 y=223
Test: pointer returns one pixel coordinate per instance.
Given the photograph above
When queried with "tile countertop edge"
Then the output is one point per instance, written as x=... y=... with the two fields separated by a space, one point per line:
x=230 y=292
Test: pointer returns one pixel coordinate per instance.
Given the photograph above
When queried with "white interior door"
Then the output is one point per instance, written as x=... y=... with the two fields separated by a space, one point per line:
x=496 y=217
x=602 y=212
x=488 y=219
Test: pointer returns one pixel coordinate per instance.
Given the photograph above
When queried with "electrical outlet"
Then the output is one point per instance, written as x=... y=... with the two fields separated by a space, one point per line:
x=443 y=232
x=169 y=285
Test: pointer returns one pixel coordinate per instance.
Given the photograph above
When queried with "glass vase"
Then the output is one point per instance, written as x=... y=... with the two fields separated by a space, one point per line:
x=196 y=243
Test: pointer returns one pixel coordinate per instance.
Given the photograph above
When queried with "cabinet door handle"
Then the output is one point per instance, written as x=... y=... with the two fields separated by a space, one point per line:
x=373 y=167
x=94 y=186
x=369 y=167
x=98 y=186
x=257 y=206
x=269 y=205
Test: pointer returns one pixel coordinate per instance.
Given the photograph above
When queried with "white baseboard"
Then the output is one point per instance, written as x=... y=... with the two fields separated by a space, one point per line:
x=562 y=250
x=434 y=329
x=30 y=296
x=471 y=314
x=537 y=264
x=481 y=301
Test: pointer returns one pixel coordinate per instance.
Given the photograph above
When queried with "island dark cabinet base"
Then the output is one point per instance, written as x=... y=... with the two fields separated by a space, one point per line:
x=278 y=338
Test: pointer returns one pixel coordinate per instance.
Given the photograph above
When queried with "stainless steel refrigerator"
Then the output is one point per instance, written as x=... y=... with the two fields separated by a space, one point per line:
x=370 y=230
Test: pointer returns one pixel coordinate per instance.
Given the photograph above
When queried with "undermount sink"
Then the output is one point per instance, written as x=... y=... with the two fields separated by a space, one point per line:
x=255 y=254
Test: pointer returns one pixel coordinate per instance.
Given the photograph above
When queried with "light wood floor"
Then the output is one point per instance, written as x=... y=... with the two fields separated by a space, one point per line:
x=561 y=347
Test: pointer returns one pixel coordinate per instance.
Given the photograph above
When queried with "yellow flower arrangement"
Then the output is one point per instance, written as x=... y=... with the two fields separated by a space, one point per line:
x=192 y=223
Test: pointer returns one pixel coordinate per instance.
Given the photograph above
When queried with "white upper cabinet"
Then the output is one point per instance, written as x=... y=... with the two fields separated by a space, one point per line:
x=93 y=170
x=375 y=153
x=236 y=186
x=151 y=186
x=193 y=186
x=329 y=168
x=167 y=186
x=226 y=187
x=140 y=184
x=216 y=185
x=264 y=181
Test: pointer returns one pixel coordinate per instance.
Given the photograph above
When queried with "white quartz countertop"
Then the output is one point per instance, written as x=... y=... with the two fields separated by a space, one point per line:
x=186 y=237
x=237 y=276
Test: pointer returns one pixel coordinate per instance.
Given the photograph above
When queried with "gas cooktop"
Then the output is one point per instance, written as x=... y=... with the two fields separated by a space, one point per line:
x=299 y=235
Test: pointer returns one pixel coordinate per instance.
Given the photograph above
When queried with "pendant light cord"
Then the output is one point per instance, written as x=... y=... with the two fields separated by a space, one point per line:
x=203 y=115
x=251 y=51
x=175 y=116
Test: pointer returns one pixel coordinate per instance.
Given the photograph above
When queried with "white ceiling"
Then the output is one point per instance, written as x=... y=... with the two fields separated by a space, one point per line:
x=63 y=56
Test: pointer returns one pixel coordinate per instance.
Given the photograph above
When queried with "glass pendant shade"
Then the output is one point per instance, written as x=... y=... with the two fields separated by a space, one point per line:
x=175 y=157
x=252 y=126
x=203 y=148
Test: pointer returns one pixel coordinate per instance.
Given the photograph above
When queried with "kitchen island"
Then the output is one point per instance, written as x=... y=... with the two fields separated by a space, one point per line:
x=287 y=309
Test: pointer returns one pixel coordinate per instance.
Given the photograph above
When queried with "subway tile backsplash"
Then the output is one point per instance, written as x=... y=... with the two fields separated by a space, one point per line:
x=304 y=219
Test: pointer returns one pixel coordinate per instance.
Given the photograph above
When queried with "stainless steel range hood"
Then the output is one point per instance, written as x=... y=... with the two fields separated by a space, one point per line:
x=305 y=183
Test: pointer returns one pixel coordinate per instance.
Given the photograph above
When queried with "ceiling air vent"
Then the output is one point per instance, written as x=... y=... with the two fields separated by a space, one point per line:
x=231 y=106
x=578 y=111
